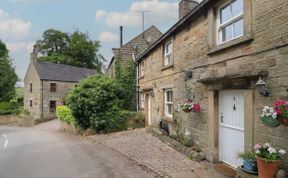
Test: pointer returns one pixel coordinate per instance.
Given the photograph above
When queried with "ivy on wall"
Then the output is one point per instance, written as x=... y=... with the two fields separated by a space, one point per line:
x=126 y=81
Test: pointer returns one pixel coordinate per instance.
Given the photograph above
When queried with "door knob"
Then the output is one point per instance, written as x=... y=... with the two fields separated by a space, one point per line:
x=221 y=118
x=234 y=108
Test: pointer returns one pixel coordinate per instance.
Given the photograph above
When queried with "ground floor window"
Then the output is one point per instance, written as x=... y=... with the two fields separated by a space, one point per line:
x=52 y=106
x=168 y=102
x=142 y=100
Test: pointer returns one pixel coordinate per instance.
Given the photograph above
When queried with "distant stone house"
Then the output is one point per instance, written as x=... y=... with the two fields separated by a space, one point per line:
x=216 y=53
x=134 y=47
x=46 y=85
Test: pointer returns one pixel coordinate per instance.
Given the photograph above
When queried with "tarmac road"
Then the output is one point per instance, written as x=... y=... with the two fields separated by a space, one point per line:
x=35 y=153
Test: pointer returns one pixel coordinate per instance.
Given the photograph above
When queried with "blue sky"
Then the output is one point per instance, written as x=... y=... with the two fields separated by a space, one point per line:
x=22 y=22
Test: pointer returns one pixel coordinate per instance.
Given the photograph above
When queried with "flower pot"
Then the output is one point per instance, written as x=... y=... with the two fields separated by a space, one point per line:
x=284 y=121
x=250 y=165
x=267 y=169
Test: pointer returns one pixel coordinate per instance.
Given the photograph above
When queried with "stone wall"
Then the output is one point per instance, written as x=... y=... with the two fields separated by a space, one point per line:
x=35 y=95
x=62 y=89
x=266 y=50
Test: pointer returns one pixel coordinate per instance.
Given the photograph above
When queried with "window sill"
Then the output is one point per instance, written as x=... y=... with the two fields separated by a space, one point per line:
x=229 y=44
x=167 y=67
x=167 y=119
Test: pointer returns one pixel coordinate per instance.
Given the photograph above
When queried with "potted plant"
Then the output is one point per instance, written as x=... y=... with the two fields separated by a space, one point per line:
x=268 y=117
x=249 y=161
x=268 y=160
x=281 y=111
x=189 y=106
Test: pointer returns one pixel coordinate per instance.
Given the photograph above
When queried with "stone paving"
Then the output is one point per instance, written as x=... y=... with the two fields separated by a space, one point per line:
x=150 y=152
x=50 y=125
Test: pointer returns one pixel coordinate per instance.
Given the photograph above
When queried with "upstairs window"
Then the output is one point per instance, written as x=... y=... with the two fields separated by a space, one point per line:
x=168 y=53
x=52 y=106
x=168 y=107
x=31 y=87
x=230 y=21
x=53 y=87
x=31 y=103
x=142 y=69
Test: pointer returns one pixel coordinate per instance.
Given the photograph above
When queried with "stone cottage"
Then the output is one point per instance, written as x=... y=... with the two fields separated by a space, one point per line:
x=46 y=85
x=132 y=48
x=215 y=54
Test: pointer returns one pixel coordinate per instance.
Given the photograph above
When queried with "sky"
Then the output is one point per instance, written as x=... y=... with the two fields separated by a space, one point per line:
x=22 y=22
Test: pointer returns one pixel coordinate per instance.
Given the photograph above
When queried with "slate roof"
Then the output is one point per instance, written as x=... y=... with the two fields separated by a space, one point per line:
x=61 y=72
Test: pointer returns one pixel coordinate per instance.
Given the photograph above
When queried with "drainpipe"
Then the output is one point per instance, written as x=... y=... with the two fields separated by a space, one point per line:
x=136 y=82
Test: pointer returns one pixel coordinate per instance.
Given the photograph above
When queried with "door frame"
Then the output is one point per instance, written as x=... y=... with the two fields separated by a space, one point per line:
x=213 y=123
x=149 y=110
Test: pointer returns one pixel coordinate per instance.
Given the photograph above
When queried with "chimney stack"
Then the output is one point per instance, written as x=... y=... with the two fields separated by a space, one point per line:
x=121 y=36
x=185 y=6
x=33 y=55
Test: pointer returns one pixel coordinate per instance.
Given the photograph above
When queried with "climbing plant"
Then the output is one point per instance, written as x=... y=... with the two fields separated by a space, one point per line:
x=126 y=81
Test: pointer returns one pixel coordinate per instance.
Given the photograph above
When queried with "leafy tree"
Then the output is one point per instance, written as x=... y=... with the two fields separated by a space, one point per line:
x=8 y=77
x=96 y=103
x=75 y=49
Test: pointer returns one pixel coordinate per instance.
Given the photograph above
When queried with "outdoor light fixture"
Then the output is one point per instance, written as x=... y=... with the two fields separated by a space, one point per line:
x=261 y=86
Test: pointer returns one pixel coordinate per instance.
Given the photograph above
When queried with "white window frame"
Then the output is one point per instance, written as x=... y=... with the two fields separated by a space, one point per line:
x=168 y=53
x=166 y=103
x=142 y=69
x=142 y=100
x=228 y=22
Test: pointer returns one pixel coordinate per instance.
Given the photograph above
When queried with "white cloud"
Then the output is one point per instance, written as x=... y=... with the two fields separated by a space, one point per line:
x=20 y=46
x=12 y=27
x=159 y=11
x=107 y=37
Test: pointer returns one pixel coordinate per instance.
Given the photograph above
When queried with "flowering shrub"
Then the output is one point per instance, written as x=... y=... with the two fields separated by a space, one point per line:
x=268 y=117
x=267 y=152
x=189 y=105
x=281 y=109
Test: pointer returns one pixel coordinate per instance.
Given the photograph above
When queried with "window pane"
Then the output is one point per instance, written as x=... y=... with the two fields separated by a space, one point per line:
x=227 y=33
x=168 y=48
x=169 y=109
x=237 y=7
x=168 y=59
x=169 y=96
x=225 y=14
x=238 y=28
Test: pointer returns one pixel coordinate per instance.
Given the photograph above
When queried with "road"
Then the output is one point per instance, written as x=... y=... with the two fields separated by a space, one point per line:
x=35 y=153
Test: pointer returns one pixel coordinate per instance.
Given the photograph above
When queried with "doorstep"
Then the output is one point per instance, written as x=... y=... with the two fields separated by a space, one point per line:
x=226 y=170
x=243 y=174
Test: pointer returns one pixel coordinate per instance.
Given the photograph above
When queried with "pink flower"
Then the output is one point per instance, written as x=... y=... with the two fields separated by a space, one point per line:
x=266 y=145
x=257 y=146
x=276 y=103
x=278 y=111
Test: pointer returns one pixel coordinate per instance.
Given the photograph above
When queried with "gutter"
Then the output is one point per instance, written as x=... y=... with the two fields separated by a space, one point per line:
x=42 y=98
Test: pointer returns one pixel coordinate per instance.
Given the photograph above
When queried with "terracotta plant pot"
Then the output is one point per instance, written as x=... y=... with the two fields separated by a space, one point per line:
x=284 y=121
x=267 y=169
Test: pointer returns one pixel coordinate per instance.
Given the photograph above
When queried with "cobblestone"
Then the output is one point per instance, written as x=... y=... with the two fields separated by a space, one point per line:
x=153 y=154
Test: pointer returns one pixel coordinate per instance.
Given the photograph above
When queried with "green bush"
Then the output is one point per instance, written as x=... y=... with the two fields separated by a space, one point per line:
x=64 y=114
x=134 y=119
x=96 y=103
x=8 y=108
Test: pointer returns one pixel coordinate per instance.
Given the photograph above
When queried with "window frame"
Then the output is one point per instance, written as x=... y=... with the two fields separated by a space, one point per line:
x=142 y=68
x=230 y=21
x=30 y=103
x=142 y=100
x=52 y=109
x=166 y=54
x=54 y=88
x=166 y=103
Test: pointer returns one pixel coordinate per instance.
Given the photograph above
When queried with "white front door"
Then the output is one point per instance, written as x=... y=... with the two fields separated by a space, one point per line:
x=149 y=109
x=231 y=126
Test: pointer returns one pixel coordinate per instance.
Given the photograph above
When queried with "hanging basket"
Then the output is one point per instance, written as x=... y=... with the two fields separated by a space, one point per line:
x=187 y=110
x=283 y=121
x=270 y=121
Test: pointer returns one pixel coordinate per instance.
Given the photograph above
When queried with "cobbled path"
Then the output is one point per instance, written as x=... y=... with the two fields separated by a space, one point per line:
x=150 y=152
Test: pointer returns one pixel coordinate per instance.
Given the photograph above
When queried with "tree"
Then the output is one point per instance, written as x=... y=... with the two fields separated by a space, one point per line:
x=8 y=77
x=75 y=49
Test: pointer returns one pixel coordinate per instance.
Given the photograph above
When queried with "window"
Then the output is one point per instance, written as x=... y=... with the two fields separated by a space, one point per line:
x=142 y=100
x=230 y=21
x=168 y=53
x=30 y=87
x=52 y=106
x=142 y=69
x=168 y=102
x=53 y=87
x=30 y=103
